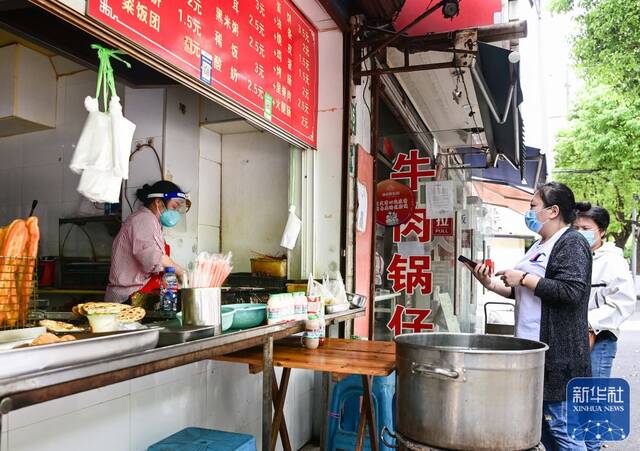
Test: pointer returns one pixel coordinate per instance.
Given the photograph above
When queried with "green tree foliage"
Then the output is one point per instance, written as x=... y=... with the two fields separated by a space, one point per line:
x=607 y=45
x=598 y=155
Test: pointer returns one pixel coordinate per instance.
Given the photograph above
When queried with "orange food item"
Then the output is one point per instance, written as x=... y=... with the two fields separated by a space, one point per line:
x=26 y=280
x=15 y=242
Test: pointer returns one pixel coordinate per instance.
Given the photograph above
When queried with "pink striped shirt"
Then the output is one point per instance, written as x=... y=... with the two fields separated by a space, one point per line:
x=136 y=255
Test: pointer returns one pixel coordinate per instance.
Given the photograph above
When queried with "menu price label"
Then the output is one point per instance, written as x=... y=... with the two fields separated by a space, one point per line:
x=260 y=53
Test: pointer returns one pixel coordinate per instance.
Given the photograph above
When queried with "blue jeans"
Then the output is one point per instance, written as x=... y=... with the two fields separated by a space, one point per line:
x=554 y=428
x=602 y=355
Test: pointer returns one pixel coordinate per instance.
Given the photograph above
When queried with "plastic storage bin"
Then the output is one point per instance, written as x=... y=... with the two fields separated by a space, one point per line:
x=200 y=439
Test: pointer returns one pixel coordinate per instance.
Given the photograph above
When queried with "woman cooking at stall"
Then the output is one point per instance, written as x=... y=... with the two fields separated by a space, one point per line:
x=140 y=253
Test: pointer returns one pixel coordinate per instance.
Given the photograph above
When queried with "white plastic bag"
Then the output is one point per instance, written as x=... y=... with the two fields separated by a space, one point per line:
x=100 y=186
x=122 y=131
x=334 y=285
x=93 y=150
x=291 y=230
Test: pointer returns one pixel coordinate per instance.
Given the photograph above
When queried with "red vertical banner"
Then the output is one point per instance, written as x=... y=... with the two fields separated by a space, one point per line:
x=262 y=54
x=363 y=269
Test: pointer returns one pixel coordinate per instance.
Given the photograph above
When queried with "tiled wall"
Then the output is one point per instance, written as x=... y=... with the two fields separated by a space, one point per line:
x=132 y=415
x=255 y=193
x=209 y=182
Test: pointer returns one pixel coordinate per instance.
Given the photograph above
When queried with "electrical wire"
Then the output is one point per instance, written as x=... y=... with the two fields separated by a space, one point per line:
x=364 y=91
x=472 y=113
x=140 y=147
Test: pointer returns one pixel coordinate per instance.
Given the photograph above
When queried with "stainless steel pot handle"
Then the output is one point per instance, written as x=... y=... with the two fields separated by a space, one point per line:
x=431 y=370
x=391 y=434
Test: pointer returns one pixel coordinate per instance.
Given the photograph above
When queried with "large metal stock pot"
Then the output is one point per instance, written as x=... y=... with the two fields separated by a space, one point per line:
x=470 y=392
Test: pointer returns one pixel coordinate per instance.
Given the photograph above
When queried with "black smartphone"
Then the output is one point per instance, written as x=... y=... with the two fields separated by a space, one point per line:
x=463 y=259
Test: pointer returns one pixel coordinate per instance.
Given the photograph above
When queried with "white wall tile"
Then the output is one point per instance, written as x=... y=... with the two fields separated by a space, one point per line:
x=234 y=396
x=43 y=183
x=11 y=151
x=255 y=195
x=145 y=108
x=330 y=70
x=181 y=158
x=4 y=446
x=70 y=186
x=11 y=183
x=63 y=406
x=304 y=382
x=144 y=166
x=328 y=203
x=168 y=376
x=210 y=145
x=163 y=410
x=303 y=419
x=102 y=427
x=43 y=149
x=208 y=238
x=209 y=193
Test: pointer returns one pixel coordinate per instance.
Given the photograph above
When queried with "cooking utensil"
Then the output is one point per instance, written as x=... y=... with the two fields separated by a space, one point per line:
x=34 y=204
x=465 y=391
x=248 y=315
x=201 y=307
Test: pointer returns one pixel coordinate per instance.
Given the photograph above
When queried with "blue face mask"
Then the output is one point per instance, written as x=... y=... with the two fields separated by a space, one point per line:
x=169 y=218
x=532 y=222
x=589 y=235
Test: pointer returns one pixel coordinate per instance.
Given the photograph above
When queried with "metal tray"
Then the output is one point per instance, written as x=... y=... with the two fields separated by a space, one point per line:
x=182 y=334
x=16 y=362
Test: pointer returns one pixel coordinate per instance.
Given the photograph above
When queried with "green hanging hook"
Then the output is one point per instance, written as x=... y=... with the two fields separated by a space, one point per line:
x=105 y=72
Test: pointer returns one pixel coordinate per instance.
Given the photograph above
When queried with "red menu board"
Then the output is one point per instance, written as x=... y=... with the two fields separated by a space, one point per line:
x=260 y=53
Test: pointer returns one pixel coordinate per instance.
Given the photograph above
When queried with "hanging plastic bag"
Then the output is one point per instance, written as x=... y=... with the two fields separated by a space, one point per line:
x=102 y=153
x=122 y=132
x=94 y=146
x=100 y=186
x=291 y=230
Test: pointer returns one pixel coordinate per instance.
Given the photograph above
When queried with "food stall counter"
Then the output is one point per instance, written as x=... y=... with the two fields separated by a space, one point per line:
x=33 y=388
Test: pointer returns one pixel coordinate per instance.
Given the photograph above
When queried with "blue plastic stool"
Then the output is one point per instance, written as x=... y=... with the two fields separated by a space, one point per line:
x=344 y=411
x=200 y=439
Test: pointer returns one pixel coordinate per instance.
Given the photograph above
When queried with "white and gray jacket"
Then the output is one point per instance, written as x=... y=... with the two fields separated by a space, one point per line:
x=613 y=294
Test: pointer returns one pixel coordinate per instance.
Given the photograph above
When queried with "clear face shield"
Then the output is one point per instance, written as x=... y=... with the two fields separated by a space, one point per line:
x=177 y=204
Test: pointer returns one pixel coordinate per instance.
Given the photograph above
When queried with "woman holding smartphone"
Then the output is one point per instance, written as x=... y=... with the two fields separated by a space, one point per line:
x=551 y=286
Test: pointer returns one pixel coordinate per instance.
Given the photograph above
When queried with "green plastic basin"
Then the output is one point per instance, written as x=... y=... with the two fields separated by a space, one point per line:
x=248 y=315
x=227 y=317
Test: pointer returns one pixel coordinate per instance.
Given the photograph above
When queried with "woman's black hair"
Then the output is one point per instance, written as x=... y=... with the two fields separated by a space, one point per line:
x=597 y=214
x=162 y=186
x=554 y=193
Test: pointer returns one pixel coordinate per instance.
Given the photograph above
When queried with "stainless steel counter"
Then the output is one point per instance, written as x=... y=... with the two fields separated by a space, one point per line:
x=22 y=391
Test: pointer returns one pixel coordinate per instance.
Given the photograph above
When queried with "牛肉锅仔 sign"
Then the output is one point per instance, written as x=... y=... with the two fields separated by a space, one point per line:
x=244 y=49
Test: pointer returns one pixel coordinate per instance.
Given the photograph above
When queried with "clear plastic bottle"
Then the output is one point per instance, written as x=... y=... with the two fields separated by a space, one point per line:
x=300 y=306
x=169 y=291
x=275 y=310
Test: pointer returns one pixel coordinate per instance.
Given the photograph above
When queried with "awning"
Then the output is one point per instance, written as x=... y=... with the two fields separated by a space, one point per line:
x=535 y=165
x=497 y=85
x=503 y=196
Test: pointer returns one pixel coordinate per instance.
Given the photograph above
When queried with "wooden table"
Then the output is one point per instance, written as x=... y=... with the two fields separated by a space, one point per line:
x=338 y=356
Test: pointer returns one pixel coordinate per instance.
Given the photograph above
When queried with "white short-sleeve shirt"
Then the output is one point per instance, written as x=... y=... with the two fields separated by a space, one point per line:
x=528 y=306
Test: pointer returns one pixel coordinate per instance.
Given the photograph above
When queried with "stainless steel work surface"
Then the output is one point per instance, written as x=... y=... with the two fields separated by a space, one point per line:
x=29 y=360
x=45 y=378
